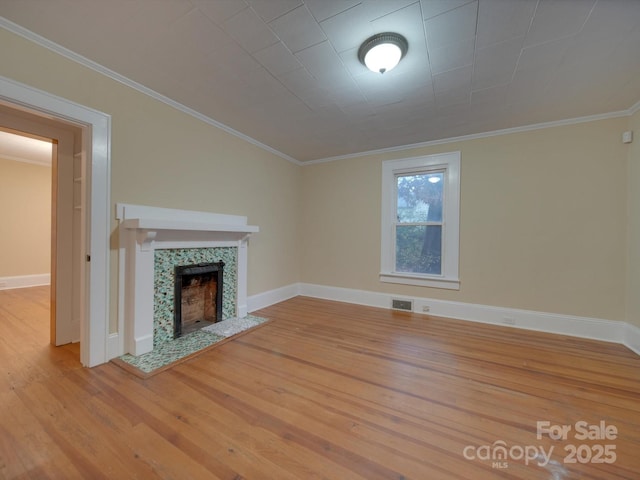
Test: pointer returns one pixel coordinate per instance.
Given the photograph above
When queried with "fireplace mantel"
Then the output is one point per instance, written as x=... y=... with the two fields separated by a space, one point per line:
x=151 y=230
x=161 y=224
x=145 y=229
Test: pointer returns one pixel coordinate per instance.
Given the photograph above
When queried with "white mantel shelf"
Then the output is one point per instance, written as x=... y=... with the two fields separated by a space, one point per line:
x=143 y=230
x=163 y=224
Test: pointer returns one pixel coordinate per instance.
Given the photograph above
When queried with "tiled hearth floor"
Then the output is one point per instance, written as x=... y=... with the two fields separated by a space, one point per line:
x=173 y=351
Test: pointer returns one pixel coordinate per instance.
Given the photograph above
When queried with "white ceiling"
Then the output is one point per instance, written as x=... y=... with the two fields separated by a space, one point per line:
x=286 y=73
x=25 y=149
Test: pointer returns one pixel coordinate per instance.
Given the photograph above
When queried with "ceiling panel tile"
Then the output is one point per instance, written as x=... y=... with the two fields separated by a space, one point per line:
x=545 y=56
x=496 y=64
x=453 y=100
x=373 y=83
x=612 y=18
x=488 y=120
x=358 y=111
x=452 y=27
x=169 y=55
x=277 y=59
x=557 y=19
x=272 y=9
x=233 y=59
x=220 y=11
x=258 y=88
x=409 y=110
x=298 y=29
x=405 y=21
x=348 y=29
x=352 y=64
x=199 y=33
x=586 y=47
x=453 y=55
x=323 y=9
x=305 y=87
x=377 y=91
x=608 y=26
x=418 y=86
x=529 y=86
x=432 y=8
x=299 y=80
x=322 y=61
x=626 y=54
x=533 y=111
x=501 y=20
x=457 y=79
x=619 y=100
x=493 y=95
x=376 y=9
x=248 y=29
x=347 y=94
x=567 y=89
x=387 y=97
x=583 y=81
x=150 y=14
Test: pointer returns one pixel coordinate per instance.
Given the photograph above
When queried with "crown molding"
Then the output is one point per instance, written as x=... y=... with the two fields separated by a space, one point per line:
x=475 y=136
x=96 y=67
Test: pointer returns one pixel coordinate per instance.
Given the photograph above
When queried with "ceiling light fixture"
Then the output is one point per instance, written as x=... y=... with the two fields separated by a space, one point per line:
x=383 y=51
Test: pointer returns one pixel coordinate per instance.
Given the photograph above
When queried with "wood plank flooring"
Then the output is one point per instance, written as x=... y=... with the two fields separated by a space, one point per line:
x=326 y=390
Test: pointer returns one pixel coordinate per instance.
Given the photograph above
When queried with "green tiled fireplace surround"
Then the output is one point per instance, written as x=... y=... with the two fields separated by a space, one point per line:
x=165 y=260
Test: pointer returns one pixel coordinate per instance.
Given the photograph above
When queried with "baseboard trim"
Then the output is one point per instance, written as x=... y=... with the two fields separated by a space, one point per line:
x=583 y=327
x=24 y=281
x=574 y=326
x=114 y=349
x=632 y=338
x=271 y=297
x=142 y=344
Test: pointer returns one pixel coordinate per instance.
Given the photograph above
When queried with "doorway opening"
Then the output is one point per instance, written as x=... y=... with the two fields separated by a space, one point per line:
x=66 y=236
x=91 y=147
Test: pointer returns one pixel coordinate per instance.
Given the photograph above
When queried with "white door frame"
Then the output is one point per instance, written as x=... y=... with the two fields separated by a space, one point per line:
x=96 y=140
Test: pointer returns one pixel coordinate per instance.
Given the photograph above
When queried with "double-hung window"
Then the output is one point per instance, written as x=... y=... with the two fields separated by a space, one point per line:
x=420 y=221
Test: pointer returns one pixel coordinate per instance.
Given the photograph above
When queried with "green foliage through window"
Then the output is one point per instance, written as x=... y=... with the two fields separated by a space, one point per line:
x=418 y=233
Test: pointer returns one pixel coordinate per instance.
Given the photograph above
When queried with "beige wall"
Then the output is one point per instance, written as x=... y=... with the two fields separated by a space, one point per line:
x=544 y=224
x=162 y=157
x=633 y=279
x=25 y=219
x=543 y=221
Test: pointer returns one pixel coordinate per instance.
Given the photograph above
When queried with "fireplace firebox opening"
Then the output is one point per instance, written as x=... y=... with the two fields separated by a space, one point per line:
x=198 y=297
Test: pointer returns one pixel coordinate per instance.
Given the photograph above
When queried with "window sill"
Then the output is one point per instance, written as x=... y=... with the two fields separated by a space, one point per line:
x=420 y=280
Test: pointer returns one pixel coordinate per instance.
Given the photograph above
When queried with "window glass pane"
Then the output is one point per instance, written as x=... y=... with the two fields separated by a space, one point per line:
x=420 y=218
x=420 y=197
x=419 y=249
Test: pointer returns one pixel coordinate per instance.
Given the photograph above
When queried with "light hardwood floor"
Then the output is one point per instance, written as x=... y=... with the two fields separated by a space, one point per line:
x=325 y=391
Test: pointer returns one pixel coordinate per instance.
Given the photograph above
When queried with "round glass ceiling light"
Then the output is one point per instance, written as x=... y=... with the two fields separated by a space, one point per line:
x=383 y=51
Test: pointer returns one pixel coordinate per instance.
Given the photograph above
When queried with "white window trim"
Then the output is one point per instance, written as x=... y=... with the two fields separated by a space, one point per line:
x=449 y=279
